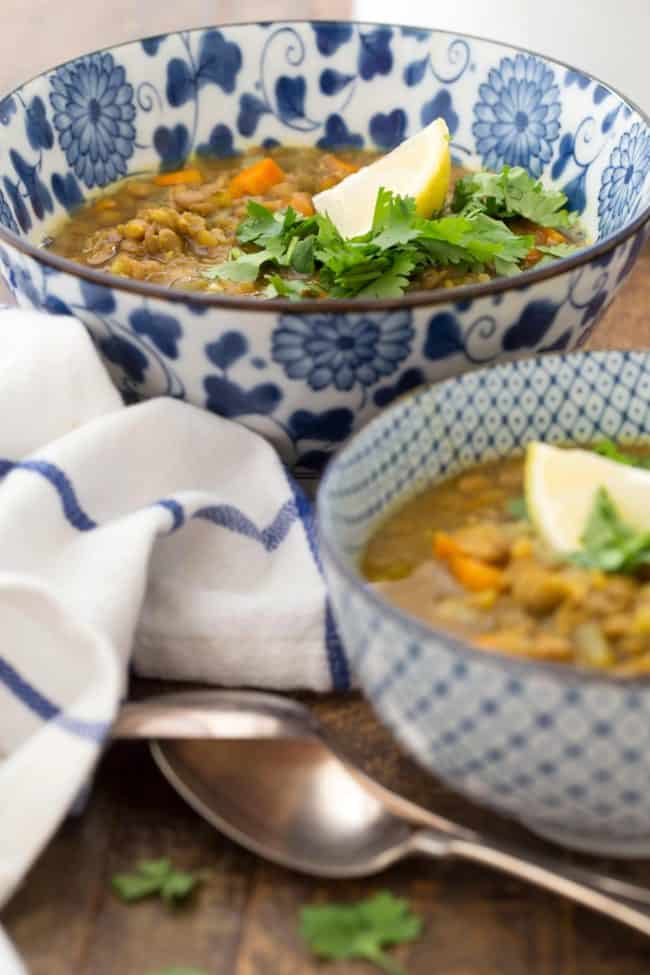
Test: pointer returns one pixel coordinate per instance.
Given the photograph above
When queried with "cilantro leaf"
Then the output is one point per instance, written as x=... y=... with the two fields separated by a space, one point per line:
x=557 y=250
x=608 y=543
x=241 y=266
x=291 y=288
x=607 y=448
x=155 y=877
x=511 y=193
x=361 y=930
x=517 y=508
x=394 y=220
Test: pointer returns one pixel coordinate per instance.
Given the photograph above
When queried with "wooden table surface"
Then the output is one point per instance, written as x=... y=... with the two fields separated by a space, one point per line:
x=65 y=920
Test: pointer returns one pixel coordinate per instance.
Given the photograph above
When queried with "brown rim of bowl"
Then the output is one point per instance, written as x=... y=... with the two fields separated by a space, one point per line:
x=416 y=299
x=567 y=673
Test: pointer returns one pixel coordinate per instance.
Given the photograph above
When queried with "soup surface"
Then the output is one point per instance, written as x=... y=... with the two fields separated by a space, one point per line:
x=463 y=556
x=175 y=229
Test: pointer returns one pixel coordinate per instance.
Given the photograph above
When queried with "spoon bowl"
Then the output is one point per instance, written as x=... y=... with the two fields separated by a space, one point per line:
x=291 y=801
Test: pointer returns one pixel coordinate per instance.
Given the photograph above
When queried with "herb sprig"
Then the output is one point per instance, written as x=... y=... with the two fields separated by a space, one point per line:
x=155 y=877
x=361 y=930
x=608 y=543
x=512 y=193
x=378 y=264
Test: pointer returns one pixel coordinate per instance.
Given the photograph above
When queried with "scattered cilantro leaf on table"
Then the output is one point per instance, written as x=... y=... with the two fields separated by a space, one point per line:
x=512 y=193
x=608 y=543
x=155 y=877
x=360 y=930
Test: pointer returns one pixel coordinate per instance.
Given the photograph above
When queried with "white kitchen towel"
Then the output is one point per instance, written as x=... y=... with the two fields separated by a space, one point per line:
x=157 y=534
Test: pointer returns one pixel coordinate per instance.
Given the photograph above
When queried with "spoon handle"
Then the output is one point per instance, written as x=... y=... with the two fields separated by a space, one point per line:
x=542 y=871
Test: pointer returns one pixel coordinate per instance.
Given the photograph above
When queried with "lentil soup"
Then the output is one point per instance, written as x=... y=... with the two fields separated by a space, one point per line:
x=463 y=556
x=178 y=229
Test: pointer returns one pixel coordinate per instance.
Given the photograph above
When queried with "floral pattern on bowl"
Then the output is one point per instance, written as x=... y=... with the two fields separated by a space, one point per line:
x=307 y=375
x=566 y=751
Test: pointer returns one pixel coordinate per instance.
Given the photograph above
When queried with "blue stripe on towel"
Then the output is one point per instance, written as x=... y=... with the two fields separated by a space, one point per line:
x=59 y=481
x=231 y=518
x=32 y=698
x=225 y=516
x=338 y=663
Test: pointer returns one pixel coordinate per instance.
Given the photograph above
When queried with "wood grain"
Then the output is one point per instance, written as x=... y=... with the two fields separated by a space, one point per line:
x=65 y=920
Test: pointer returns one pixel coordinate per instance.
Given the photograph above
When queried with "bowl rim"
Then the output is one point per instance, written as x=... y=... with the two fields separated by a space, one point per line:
x=416 y=299
x=563 y=673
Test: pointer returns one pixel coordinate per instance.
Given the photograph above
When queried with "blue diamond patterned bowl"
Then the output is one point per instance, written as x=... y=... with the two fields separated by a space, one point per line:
x=565 y=750
x=307 y=376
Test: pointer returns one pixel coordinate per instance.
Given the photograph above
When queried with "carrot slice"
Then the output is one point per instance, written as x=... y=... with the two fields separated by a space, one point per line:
x=256 y=179
x=474 y=574
x=179 y=177
x=335 y=162
x=444 y=546
x=302 y=203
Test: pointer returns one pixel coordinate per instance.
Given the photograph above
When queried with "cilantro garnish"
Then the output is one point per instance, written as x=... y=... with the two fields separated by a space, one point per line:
x=607 y=448
x=512 y=193
x=608 y=543
x=360 y=930
x=155 y=877
x=379 y=264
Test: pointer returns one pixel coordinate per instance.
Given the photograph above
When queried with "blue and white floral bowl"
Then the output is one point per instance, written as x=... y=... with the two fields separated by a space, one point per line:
x=306 y=376
x=564 y=750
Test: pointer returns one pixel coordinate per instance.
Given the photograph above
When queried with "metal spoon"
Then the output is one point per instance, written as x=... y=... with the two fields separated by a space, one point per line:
x=259 y=768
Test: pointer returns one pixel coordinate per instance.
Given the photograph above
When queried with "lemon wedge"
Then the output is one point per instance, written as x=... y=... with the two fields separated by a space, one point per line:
x=418 y=167
x=560 y=486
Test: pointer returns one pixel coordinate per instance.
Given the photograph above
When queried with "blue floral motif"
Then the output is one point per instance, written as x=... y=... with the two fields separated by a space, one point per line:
x=531 y=326
x=219 y=62
x=97 y=298
x=338 y=136
x=150 y=45
x=39 y=130
x=329 y=37
x=230 y=400
x=94 y=113
x=37 y=191
x=576 y=77
x=220 y=143
x=342 y=350
x=163 y=330
x=444 y=337
x=622 y=181
x=6 y=216
x=290 y=94
x=66 y=190
x=18 y=204
x=7 y=109
x=387 y=131
x=517 y=115
x=334 y=425
x=375 y=55
x=251 y=109
x=440 y=106
x=126 y=355
x=331 y=82
x=408 y=381
x=227 y=349
x=172 y=145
